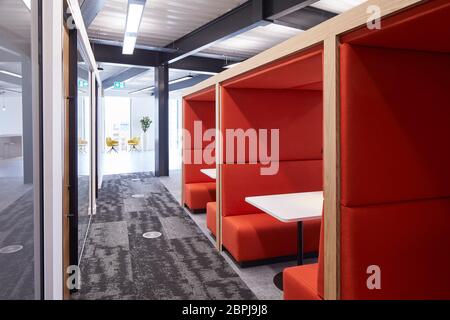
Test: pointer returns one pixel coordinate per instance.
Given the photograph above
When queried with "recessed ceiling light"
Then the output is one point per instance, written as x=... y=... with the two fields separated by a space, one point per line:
x=180 y=79
x=143 y=90
x=128 y=44
x=232 y=65
x=134 y=18
x=27 y=3
x=12 y=74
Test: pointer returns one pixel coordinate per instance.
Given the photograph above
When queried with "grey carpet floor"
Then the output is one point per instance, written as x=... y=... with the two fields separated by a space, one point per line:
x=118 y=263
x=17 y=269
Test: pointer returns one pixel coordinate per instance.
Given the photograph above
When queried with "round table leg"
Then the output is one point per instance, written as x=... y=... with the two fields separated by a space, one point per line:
x=278 y=281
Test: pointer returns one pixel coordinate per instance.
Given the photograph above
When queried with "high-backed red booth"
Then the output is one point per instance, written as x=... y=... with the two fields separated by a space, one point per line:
x=395 y=155
x=287 y=96
x=198 y=189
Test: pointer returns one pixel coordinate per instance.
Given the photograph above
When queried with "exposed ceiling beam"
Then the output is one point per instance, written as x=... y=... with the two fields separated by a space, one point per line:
x=245 y=17
x=10 y=79
x=199 y=64
x=305 y=18
x=123 y=76
x=6 y=56
x=148 y=58
x=232 y=23
x=90 y=9
x=275 y=9
x=141 y=57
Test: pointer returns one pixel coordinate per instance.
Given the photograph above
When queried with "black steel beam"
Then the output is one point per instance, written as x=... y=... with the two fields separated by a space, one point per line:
x=243 y=18
x=305 y=19
x=236 y=21
x=90 y=9
x=141 y=57
x=275 y=9
x=149 y=58
x=162 y=120
x=199 y=64
x=123 y=76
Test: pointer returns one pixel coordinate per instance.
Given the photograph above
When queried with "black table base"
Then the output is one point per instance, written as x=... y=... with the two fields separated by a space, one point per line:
x=278 y=279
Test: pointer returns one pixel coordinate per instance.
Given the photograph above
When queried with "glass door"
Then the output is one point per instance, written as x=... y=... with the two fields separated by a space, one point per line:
x=20 y=146
x=84 y=148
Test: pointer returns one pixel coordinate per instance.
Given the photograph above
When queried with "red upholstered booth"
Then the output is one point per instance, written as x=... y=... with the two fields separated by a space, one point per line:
x=286 y=95
x=395 y=173
x=395 y=155
x=395 y=122
x=198 y=189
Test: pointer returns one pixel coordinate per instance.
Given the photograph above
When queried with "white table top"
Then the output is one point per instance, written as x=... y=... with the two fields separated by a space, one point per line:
x=293 y=207
x=212 y=173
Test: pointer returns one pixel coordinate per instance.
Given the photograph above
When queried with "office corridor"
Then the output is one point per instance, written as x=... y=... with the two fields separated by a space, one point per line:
x=119 y=263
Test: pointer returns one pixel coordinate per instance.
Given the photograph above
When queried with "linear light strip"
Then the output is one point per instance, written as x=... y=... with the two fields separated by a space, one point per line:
x=134 y=19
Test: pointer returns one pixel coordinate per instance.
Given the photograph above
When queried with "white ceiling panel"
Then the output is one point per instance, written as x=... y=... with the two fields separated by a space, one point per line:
x=337 y=6
x=164 y=21
x=254 y=41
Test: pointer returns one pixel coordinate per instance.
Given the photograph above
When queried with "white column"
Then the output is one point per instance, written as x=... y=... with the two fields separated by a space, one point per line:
x=52 y=87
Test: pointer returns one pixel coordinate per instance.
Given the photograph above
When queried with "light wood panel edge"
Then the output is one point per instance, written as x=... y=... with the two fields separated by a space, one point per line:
x=340 y=24
x=219 y=162
x=331 y=170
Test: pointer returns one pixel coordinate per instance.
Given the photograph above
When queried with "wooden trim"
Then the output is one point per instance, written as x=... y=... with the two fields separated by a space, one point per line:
x=338 y=25
x=331 y=170
x=219 y=162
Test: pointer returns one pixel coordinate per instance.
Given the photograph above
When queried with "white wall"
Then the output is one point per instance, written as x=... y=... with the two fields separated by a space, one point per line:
x=11 y=118
x=141 y=107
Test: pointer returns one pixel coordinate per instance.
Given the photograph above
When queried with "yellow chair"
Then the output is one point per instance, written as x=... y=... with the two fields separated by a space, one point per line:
x=82 y=144
x=112 y=144
x=134 y=143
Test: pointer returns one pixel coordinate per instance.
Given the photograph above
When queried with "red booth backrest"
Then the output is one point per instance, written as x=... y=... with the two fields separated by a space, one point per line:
x=395 y=174
x=203 y=111
x=298 y=114
x=244 y=180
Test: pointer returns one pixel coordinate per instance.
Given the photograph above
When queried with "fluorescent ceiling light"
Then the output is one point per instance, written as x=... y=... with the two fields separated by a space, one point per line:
x=337 y=6
x=180 y=79
x=143 y=90
x=134 y=18
x=232 y=65
x=11 y=74
x=27 y=3
x=128 y=44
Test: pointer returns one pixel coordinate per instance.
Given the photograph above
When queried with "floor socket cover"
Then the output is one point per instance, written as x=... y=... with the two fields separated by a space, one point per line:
x=11 y=249
x=152 y=235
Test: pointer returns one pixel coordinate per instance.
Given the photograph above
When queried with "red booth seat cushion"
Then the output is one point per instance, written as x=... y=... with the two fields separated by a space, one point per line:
x=211 y=217
x=300 y=283
x=259 y=236
x=197 y=195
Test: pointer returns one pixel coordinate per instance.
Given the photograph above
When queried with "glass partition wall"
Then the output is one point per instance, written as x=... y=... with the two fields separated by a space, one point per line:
x=20 y=145
x=84 y=170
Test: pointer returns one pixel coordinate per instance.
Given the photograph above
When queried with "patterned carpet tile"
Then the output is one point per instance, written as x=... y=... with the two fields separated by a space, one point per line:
x=119 y=263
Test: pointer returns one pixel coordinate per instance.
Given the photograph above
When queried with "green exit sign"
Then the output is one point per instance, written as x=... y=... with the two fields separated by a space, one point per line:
x=83 y=84
x=119 y=85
